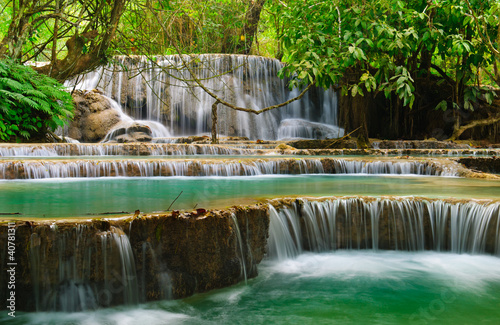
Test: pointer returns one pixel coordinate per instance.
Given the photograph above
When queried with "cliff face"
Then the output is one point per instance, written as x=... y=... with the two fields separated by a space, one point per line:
x=84 y=264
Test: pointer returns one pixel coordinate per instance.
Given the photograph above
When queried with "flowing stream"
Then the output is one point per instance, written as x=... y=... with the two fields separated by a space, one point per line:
x=345 y=287
x=361 y=240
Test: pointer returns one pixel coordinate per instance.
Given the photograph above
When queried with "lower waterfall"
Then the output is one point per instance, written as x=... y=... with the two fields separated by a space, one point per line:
x=407 y=224
x=78 y=265
x=77 y=262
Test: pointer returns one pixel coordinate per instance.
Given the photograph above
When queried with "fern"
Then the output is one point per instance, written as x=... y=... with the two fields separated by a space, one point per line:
x=35 y=93
x=12 y=84
x=25 y=134
x=30 y=103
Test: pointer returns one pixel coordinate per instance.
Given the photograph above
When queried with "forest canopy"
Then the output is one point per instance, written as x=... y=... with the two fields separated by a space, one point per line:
x=391 y=48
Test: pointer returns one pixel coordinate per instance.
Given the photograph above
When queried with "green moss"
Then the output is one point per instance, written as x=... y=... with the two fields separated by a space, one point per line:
x=158 y=232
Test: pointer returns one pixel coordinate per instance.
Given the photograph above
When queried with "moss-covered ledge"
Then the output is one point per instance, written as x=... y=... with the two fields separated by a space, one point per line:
x=133 y=259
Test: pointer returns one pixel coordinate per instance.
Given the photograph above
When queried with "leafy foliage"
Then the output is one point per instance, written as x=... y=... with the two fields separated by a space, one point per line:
x=386 y=45
x=196 y=26
x=30 y=103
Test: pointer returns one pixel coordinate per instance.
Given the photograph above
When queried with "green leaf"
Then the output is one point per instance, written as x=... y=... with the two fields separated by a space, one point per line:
x=443 y=105
x=468 y=105
x=489 y=97
x=302 y=74
x=354 y=90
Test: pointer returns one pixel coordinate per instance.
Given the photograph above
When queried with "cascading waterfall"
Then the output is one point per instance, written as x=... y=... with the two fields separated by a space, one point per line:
x=116 y=242
x=399 y=224
x=240 y=245
x=72 y=293
x=112 y=149
x=182 y=149
x=34 y=169
x=160 y=89
x=158 y=130
x=79 y=267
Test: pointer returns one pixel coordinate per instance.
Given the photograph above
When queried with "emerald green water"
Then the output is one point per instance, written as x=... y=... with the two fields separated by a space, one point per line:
x=343 y=287
x=78 y=197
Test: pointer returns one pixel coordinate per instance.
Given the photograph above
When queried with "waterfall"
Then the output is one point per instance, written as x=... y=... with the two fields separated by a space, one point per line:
x=113 y=149
x=158 y=130
x=38 y=169
x=160 y=89
x=399 y=224
x=85 y=277
x=72 y=292
x=116 y=244
x=174 y=147
x=285 y=239
x=240 y=245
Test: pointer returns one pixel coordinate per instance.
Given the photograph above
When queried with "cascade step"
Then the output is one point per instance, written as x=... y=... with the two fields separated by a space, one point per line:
x=64 y=168
x=394 y=223
x=178 y=149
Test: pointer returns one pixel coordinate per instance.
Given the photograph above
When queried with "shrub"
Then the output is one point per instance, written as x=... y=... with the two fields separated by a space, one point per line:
x=31 y=104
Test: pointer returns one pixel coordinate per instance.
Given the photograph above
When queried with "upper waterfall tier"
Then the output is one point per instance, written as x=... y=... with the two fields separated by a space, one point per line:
x=162 y=89
x=238 y=148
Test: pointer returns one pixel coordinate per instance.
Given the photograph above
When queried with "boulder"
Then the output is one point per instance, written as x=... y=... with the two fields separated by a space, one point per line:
x=94 y=116
x=129 y=132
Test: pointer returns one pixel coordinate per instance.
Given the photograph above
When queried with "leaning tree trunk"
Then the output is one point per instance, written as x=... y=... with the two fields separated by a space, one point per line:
x=88 y=38
x=81 y=57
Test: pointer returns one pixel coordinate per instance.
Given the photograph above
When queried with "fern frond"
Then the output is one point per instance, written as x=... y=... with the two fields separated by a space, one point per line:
x=45 y=107
x=35 y=93
x=30 y=127
x=30 y=102
x=8 y=83
x=25 y=134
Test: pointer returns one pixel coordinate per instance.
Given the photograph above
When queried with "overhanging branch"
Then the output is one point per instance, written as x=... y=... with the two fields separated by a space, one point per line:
x=212 y=94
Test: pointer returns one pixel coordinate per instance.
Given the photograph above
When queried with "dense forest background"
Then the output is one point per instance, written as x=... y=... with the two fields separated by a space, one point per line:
x=414 y=69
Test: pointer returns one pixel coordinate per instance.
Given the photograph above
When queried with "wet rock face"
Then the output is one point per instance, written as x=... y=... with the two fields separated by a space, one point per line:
x=94 y=116
x=417 y=144
x=85 y=264
x=323 y=144
x=135 y=132
x=385 y=144
x=483 y=164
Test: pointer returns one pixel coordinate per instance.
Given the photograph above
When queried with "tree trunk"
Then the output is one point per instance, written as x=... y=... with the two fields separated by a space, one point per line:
x=353 y=113
x=85 y=50
x=81 y=58
x=214 y=122
x=249 y=31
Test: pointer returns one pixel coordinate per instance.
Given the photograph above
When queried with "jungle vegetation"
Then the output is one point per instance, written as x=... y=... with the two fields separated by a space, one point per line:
x=410 y=57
